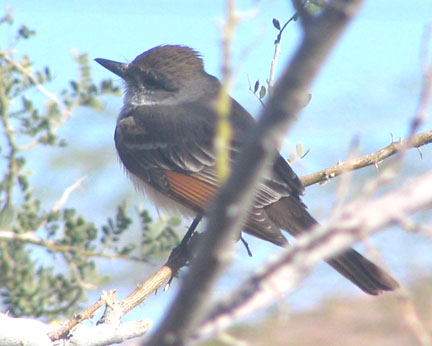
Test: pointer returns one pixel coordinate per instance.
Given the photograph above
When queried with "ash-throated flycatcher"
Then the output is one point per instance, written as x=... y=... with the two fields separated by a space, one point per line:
x=165 y=138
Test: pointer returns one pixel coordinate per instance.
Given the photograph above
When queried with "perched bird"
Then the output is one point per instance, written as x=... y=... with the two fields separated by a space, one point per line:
x=165 y=139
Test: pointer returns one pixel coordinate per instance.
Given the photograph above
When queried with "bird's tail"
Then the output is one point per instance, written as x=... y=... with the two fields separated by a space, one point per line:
x=291 y=215
x=363 y=273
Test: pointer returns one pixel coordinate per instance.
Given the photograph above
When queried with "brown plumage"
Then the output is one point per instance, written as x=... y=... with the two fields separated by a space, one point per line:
x=165 y=139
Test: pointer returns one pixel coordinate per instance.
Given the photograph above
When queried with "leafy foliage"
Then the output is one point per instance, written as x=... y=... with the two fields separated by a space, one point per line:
x=53 y=282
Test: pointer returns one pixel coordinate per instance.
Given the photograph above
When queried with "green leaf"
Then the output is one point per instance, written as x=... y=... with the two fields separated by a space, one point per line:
x=263 y=92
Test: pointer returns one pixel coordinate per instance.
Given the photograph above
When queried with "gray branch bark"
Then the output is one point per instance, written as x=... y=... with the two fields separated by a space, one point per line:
x=31 y=332
x=281 y=275
x=227 y=212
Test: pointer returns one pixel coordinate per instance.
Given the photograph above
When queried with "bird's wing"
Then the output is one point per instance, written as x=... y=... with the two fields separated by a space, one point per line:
x=171 y=148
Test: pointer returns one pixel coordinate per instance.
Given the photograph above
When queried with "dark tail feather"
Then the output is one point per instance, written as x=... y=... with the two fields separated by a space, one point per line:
x=291 y=215
x=363 y=273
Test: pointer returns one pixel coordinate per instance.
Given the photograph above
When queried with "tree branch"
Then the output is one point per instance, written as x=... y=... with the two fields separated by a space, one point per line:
x=352 y=223
x=30 y=332
x=27 y=72
x=228 y=210
x=57 y=333
x=31 y=238
x=106 y=332
x=375 y=158
x=114 y=311
x=66 y=110
x=23 y=331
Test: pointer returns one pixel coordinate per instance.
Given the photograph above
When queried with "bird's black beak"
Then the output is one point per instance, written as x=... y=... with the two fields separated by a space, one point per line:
x=115 y=67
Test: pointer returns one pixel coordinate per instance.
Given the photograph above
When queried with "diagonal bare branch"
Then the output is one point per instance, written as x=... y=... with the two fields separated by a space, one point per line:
x=372 y=159
x=230 y=206
x=352 y=223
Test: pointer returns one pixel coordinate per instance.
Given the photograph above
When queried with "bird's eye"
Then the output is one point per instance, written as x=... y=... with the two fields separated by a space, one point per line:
x=151 y=82
x=157 y=82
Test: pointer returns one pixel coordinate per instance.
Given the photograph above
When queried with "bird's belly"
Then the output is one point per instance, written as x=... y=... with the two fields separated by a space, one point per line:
x=159 y=200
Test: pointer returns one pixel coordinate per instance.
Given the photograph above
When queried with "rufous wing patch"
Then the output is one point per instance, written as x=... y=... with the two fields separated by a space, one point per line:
x=196 y=192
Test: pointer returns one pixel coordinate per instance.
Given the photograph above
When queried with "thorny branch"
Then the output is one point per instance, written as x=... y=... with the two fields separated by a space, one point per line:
x=373 y=159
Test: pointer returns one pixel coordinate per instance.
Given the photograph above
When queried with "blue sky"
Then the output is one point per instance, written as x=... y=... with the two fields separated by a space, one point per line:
x=380 y=50
x=369 y=88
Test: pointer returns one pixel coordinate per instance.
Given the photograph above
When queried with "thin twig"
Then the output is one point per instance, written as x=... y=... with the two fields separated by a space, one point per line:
x=27 y=72
x=271 y=79
x=66 y=193
x=12 y=170
x=65 y=110
x=31 y=238
x=372 y=159
x=105 y=298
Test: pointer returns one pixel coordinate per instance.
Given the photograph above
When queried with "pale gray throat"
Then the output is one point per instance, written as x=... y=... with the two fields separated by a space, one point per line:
x=138 y=96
